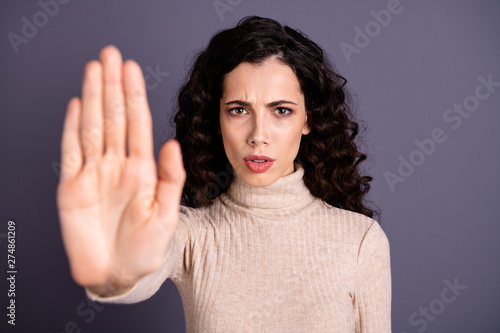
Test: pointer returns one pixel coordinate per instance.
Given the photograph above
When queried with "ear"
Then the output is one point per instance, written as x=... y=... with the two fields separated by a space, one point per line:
x=307 y=128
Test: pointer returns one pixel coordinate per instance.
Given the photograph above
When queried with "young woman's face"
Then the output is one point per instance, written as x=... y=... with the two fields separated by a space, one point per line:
x=262 y=112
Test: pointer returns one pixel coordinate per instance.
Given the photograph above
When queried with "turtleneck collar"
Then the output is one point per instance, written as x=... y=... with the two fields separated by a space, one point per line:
x=286 y=194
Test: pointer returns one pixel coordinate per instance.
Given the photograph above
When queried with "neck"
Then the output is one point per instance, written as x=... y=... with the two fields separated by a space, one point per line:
x=285 y=193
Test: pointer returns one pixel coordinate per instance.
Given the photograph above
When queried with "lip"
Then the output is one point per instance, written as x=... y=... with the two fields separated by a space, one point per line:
x=259 y=157
x=258 y=167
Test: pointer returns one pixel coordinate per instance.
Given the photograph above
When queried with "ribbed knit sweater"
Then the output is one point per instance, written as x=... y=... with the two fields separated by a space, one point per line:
x=275 y=259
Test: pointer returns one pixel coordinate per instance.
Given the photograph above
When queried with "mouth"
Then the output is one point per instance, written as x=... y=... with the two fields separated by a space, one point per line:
x=258 y=163
x=259 y=158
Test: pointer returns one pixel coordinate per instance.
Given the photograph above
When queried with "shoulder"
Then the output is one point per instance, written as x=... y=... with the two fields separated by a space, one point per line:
x=372 y=241
x=367 y=226
x=199 y=214
x=187 y=213
x=352 y=226
x=369 y=231
x=197 y=220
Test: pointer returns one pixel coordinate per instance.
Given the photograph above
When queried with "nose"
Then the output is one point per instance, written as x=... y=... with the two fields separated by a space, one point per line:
x=259 y=134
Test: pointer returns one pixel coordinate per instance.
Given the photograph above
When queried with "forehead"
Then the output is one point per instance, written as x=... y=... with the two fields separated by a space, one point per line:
x=271 y=77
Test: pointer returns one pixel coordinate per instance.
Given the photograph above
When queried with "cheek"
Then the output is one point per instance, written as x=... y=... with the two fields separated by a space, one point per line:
x=234 y=131
x=294 y=138
x=231 y=140
x=290 y=132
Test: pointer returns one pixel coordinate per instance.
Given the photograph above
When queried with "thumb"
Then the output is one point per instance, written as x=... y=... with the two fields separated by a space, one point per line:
x=171 y=179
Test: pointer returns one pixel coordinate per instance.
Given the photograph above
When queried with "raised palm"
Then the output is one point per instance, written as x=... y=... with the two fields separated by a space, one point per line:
x=117 y=213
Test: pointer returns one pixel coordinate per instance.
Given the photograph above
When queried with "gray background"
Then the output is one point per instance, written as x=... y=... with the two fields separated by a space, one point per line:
x=442 y=221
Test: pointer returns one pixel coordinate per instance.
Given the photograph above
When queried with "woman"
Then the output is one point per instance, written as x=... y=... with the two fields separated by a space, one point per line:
x=272 y=235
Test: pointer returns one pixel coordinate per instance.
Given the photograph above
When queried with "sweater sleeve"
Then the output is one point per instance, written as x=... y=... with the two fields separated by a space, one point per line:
x=172 y=267
x=372 y=301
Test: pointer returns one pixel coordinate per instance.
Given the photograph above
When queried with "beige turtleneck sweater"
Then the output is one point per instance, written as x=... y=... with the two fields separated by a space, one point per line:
x=275 y=259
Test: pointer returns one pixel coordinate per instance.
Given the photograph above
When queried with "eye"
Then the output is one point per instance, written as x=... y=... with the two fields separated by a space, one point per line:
x=282 y=111
x=237 y=111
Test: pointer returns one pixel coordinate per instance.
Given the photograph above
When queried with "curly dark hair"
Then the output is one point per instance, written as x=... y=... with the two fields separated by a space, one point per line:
x=328 y=154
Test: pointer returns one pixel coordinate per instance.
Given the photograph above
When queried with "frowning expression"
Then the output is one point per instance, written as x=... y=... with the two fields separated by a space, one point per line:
x=262 y=112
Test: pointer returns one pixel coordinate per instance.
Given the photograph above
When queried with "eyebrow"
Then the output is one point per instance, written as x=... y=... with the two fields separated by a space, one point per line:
x=275 y=103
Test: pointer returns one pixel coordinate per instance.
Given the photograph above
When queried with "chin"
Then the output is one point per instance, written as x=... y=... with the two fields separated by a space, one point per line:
x=259 y=179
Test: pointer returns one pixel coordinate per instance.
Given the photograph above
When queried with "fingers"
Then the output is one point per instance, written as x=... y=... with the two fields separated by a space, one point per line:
x=91 y=132
x=114 y=107
x=172 y=177
x=114 y=112
x=71 y=150
x=139 y=123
